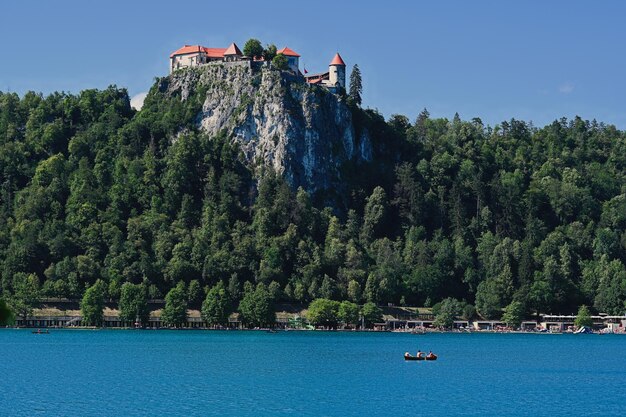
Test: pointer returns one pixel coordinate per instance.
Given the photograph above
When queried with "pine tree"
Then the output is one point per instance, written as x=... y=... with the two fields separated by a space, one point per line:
x=356 y=86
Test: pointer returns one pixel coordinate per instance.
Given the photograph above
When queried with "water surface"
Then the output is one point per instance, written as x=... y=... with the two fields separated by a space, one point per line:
x=210 y=373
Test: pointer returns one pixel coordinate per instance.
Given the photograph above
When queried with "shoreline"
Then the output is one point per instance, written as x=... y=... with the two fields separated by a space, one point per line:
x=47 y=330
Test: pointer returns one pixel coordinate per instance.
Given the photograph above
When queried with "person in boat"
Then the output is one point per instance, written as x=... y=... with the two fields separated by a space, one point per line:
x=419 y=354
x=430 y=355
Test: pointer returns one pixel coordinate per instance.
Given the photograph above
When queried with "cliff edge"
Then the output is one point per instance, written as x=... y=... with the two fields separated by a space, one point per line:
x=302 y=132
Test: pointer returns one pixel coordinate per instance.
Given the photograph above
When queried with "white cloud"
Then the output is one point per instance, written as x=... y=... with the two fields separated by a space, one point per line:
x=566 y=88
x=137 y=101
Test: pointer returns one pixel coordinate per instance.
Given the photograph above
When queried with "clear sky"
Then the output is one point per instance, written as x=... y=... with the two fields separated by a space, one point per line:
x=532 y=60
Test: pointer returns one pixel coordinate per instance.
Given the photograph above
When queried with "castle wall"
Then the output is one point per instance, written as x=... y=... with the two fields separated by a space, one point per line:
x=184 y=61
x=179 y=62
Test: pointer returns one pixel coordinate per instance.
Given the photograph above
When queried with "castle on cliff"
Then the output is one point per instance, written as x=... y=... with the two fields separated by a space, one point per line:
x=197 y=55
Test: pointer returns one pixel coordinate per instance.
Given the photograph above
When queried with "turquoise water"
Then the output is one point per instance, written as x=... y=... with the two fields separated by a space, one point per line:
x=206 y=373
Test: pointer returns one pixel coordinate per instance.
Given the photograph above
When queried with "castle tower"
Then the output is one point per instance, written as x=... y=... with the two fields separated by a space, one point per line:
x=337 y=72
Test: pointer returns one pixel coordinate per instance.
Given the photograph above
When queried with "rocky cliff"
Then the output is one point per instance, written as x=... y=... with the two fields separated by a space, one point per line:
x=304 y=133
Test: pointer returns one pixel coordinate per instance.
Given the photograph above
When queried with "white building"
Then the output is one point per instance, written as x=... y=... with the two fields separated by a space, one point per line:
x=195 y=55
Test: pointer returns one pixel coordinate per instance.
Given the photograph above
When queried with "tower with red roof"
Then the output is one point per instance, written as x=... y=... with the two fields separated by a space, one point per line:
x=337 y=72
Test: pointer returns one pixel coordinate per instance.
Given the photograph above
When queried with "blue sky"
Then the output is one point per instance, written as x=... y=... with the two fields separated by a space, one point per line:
x=531 y=60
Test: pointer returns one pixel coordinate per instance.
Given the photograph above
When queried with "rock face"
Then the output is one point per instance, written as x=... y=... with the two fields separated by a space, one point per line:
x=304 y=133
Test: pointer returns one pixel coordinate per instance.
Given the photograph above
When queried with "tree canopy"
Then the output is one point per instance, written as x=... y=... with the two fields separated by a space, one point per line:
x=371 y=314
x=253 y=48
x=7 y=317
x=216 y=306
x=280 y=62
x=513 y=314
x=323 y=312
x=446 y=312
x=174 y=314
x=92 y=304
x=583 y=318
x=133 y=305
x=256 y=308
x=488 y=215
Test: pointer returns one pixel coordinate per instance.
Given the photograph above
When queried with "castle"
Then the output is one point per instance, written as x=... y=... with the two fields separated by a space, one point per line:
x=197 y=55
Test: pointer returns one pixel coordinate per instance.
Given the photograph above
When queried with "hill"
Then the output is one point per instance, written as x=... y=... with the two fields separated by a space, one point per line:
x=236 y=176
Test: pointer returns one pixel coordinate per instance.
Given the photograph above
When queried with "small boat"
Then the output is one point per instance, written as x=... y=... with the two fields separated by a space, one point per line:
x=40 y=332
x=409 y=357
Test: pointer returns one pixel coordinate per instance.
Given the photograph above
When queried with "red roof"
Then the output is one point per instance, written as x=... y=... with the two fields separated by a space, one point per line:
x=187 y=49
x=337 y=60
x=287 y=52
x=233 y=49
x=194 y=49
x=214 y=52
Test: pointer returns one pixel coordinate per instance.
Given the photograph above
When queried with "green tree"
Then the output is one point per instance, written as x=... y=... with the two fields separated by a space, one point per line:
x=6 y=314
x=274 y=290
x=253 y=48
x=583 y=318
x=280 y=62
x=354 y=291
x=468 y=312
x=194 y=293
x=92 y=304
x=489 y=299
x=348 y=313
x=323 y=312
x=540 y=295
x=216 y=306
x=356 y=85
x=269 y=52
x=371 y=314
x=26 y=294
x=133 y=304
x=374 y=216
x=114 y=289
x=174 y=314
x=611 y=292
x=513 y=314
x=256 y=308
x=446 y=312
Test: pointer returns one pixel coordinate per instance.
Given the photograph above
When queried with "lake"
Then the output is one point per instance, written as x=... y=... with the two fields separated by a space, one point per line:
x=239 y=373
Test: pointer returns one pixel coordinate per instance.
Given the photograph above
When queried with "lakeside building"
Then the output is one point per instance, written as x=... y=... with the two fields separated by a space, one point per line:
x=65 y=313
x=190 y=56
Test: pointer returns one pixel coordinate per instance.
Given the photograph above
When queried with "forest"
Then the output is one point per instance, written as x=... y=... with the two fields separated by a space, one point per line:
x=96 y=197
